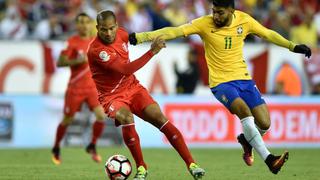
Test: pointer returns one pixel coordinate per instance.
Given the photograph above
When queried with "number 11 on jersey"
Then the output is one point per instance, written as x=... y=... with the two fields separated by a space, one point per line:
x=228 y=42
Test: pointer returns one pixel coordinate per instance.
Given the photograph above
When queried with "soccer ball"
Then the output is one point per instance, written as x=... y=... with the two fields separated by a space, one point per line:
x=118 y=167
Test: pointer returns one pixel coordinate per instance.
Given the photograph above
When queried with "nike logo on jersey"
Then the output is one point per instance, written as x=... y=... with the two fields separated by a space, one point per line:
x=125 y=47
x=111 y=108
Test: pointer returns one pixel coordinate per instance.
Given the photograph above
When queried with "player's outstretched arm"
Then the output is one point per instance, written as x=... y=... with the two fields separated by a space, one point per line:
x=167 y=33
x=279 y=40
x=130 y=68
x=65 y=61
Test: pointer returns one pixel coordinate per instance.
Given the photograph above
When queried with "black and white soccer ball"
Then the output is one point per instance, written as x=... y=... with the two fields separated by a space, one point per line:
x=118 y=167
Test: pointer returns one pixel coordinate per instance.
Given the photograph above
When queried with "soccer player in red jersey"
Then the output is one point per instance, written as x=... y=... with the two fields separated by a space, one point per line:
x=121 y=94
x=81 y=88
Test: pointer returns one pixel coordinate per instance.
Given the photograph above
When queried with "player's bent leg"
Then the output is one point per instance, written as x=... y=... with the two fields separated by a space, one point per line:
x=92 y=150
x=262 y=122
x=56 y=155
x=67 y=120
x=130 y=135
x=99 y=113
x=261 y=118
x=253 y=136
x=153 y=115
x=239 y=108
x=97 y=130
x=61 y=130
x=247 y=156
x=176 y=139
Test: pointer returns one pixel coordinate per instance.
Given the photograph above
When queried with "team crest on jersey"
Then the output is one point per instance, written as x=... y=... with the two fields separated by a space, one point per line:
x=104 y=56
x=125 y=47
x=240 y=30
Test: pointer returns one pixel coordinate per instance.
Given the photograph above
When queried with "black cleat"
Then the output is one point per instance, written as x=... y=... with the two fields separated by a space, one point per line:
x=56 y=156
x=276 y=162
x=247 y=150
x=91 y=149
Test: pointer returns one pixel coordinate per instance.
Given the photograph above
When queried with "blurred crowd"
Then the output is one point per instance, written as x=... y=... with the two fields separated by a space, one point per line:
x=298 y=20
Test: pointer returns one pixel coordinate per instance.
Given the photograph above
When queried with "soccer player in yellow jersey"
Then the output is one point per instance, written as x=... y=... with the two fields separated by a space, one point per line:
x=223 y=33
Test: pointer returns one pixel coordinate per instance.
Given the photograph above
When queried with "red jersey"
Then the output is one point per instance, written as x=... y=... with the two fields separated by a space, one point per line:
x=110 y=66
x=80 y=74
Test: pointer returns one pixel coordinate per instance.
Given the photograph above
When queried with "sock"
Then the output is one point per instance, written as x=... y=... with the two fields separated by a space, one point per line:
x=253 y=136
x=262 y=131
x=61 y=131
x=176 y=140
x=97 y=130
x=132 y=141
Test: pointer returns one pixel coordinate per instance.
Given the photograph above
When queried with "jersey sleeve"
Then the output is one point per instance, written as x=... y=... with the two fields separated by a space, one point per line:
x=110 y=61
x=268 y=34
x=166 y=33
x=194 y=27
x=256 y=28
x=68 y=50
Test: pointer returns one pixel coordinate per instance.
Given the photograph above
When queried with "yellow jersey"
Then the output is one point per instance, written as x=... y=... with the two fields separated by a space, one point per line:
x=223 y=46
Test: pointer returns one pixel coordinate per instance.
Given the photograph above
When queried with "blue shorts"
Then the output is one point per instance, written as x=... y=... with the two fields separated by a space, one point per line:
x=247 y=90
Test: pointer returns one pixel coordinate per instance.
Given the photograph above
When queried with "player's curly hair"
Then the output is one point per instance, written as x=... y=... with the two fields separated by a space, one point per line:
x=223 y=3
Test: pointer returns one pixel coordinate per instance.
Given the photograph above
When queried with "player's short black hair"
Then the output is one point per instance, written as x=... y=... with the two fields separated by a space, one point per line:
x=82 y=14
x=102 y=15
x=223 y=3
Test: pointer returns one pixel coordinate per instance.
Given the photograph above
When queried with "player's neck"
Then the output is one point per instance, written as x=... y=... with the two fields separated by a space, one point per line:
x=103 y=41
x=230 y=21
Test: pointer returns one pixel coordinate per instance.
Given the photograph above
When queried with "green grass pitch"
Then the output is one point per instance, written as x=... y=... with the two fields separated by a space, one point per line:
x=164 y=164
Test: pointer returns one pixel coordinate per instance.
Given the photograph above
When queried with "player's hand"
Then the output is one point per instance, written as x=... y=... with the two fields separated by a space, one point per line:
x=157 y=44
x=132 y=38
x=302 y=49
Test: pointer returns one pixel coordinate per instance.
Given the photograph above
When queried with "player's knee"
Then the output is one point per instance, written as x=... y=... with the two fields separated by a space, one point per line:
x=158 y=116
x=242 y=112
x=99 y=113
x=157 y=119
x=162 y=120
x=265 y=125
x=125 y=119
x=128 y=119
x=100 y=117
x=67 y=120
